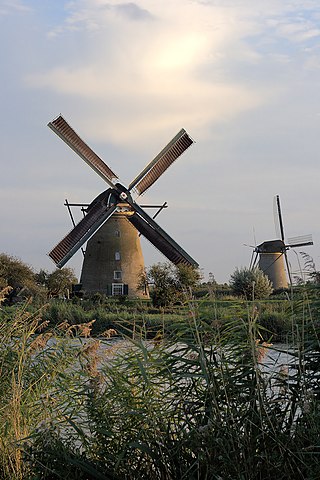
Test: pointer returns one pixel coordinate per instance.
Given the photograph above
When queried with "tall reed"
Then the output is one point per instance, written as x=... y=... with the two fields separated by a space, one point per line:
x=194 y=402
x=33 y=364
x=197 y=405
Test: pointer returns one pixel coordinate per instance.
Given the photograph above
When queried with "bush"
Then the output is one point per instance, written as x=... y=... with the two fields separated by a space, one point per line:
x=251 y=284
x=168 y=282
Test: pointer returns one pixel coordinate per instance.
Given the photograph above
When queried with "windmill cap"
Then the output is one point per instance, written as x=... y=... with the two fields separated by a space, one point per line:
x=271 y=246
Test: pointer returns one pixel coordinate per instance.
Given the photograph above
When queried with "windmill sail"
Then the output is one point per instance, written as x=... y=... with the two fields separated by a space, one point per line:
x=281 y=230
x=280 y=217
x=168 y=248
x=67 y=247
x=71 y=138
x=273 y=254
x=158 y=237
x=161 y=162
x=300 y=241
x=113 y=257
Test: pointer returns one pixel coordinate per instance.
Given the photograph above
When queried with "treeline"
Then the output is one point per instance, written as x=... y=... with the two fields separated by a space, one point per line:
x=24 y=281
x=168 y=284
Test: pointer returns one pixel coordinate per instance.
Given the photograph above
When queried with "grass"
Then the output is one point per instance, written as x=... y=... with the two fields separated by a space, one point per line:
x=193 y=402
x=275 y=316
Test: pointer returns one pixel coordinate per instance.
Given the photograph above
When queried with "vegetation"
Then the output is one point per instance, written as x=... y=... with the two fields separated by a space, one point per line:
x=16 y=274
x=98 y=387
x=168 y=282
x=250 y=283
x=32 y=375
x=309 y=271
x=25 y=282
x=201 y=404
x=60 y=281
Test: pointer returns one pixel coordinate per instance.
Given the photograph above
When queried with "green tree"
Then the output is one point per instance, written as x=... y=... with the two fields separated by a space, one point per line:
x=15 y=273
x=212 y=280
x=251 y=284
x=18 y=275
x=160 y=278
x=167 y=282
x=187 y=276
x=41 y=277
x=60 y=282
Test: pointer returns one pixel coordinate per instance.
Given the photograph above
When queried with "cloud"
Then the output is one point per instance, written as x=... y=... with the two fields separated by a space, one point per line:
x=298 y=30
x=147 y=69
x=133 y=11
x=92 y=15
x=152 y=76
x=241 y=78
x=9 y=7
x=149 y=106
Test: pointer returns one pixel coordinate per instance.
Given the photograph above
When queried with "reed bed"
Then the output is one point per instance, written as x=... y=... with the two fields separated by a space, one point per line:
x=195 y=402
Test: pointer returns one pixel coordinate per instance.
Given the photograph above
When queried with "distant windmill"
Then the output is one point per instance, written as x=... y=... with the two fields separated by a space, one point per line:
x=113 y=258
x=272 y=255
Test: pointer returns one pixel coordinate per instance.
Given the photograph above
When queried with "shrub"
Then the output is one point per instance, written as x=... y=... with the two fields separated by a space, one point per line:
x=168 y=282
x=251 y=284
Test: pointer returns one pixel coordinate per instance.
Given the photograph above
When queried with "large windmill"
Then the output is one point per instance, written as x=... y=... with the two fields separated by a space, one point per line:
x=272 y=255
x=113 y=257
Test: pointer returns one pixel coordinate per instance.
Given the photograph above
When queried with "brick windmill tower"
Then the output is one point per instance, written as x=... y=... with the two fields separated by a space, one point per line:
x=113 y=259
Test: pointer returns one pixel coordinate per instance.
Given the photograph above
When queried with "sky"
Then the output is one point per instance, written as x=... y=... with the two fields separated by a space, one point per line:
x=241 y=77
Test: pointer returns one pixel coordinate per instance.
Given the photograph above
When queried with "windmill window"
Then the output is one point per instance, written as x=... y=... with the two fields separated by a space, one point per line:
x=117 y=233
x=117 y=289
x=117 y=275
x=117 y=256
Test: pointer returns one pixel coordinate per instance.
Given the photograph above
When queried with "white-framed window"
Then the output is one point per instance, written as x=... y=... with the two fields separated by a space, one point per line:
x=117 y=289
x=117 y=256
x=117 y=233
x=117 y=275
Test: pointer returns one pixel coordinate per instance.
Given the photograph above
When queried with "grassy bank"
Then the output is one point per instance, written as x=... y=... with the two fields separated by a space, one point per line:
x=275 y=316
x=130 y=320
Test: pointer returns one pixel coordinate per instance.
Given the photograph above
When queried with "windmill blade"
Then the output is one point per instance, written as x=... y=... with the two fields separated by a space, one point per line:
x=253 y=259
x=300 y=241
x=164 y=205
x=278 y=218
x=159 y=238
x=72 y=139
x=168 y=249
x=161 y=162
x=68 y=246
x=288 y=267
